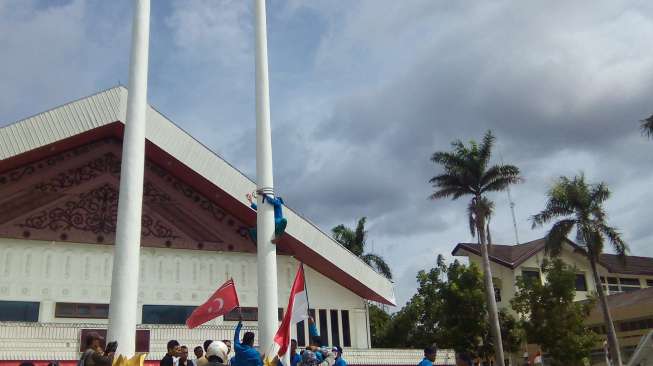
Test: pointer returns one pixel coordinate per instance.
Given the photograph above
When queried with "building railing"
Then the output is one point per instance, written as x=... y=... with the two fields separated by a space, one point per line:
x=61 y=341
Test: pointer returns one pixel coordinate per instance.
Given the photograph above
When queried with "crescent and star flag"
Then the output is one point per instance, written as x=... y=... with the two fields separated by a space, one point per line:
x=223 y=300
x=296 y=312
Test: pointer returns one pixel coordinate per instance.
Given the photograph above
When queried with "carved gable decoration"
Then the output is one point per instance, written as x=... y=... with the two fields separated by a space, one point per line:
x=74 y=197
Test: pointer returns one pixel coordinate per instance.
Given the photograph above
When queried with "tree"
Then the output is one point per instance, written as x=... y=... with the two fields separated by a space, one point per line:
x=647 y=126
x=551 y=317
x=355 y=241
x=467 y=173
x=579 y=205
x=449 y=309
x=379 y=321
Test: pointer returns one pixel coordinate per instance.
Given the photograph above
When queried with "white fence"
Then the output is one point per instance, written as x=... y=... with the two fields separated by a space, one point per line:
x=61 y=341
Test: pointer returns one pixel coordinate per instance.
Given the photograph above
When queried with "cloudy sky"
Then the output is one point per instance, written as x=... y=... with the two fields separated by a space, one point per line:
x=363 y=92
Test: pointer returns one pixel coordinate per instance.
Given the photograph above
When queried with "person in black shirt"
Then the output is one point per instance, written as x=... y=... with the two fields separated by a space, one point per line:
x=183 y=357
x=173 y=351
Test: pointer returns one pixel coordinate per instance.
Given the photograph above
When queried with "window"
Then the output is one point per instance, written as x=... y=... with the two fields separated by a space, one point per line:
x=629 y=284
x=249 y=314
x=81 y=310
x=301 y=335
x=635 y=325
x=346 y=337
x=581 y=284
x=649 y=283
x=19 y=311
x=497 y=294
x=531 y=275
x=629 y=281
x=335 y=331
x=613 y=284
x=166 y=314
x=324 y=326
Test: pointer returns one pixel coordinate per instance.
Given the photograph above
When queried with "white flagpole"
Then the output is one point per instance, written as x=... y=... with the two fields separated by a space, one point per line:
x=266 y=251
x=124 y=279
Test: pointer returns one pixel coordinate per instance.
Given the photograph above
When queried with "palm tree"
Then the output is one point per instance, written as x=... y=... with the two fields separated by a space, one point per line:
x=647 y=126
x=355 y=241
x=467 y=173
x=579 y=205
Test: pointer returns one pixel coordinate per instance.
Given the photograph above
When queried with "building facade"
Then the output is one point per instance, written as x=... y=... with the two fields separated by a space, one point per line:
x=59 y=179
x=629 y=285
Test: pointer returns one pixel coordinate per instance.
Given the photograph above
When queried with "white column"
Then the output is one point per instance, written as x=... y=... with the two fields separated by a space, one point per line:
x=266 y=253
x=123 y=305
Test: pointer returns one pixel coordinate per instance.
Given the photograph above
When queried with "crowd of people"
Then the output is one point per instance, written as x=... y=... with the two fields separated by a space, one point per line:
x=243 y=353
x=240 y=352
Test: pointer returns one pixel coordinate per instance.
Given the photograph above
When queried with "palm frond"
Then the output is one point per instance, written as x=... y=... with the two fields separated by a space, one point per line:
x=556 y=236
x=470 y=217
x=614 y=236
x=485 y=150
x=506 y=172
x=647 y=126
x=378 y=263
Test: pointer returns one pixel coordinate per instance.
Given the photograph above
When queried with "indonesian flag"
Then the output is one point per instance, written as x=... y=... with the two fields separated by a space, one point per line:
x=296 y=312
x=223 y=300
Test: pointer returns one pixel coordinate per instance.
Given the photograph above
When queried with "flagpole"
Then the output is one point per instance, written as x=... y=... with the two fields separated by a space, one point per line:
x=266 y=252
x=308 y=304
x=123 y=305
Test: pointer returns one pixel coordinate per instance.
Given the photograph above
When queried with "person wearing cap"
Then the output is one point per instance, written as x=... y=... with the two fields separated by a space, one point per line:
x=217 y=353
x=337 y=350
x=94 y=355
x=429 y=356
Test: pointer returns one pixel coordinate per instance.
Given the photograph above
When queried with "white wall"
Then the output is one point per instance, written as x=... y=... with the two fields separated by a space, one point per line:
x=50 y=272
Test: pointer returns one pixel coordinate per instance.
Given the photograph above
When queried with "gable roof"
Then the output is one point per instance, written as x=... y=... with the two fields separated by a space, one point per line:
x=103 y=114
x=512 y=256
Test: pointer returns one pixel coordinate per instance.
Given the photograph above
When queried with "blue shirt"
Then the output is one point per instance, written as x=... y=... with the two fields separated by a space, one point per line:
x=425 y=362
x=295 y=359
x=340 y=362
x=276 y=202
x=245 y=355
x=312 y=331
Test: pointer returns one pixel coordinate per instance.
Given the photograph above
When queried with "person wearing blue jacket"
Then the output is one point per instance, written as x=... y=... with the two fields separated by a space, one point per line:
x=339 y=360
x=280 y=222
x=429 y=356
x=246 y=354
x=315 y=343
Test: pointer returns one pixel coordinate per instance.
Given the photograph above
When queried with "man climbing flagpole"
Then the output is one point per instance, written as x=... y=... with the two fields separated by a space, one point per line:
x=266 y=253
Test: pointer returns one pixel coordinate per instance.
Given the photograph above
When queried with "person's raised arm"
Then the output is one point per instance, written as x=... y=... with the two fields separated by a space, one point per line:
x=250 y=198
x=237 y=346
x=312 y=328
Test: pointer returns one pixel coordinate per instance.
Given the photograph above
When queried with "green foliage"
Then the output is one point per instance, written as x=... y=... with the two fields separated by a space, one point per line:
x=379 y=321
x=449 y=309
x=355 y=241
x=552 y=319
x=579 y=205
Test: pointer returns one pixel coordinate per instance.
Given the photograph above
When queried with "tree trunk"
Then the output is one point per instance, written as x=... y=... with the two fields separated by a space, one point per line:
x=489 y=290
x=613 y=343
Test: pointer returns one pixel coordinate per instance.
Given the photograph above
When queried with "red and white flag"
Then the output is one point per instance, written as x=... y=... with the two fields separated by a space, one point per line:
x=296 y=312
x=223 y=300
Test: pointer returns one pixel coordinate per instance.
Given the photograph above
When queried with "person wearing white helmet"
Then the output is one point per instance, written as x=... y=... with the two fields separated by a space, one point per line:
x=217 y=353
